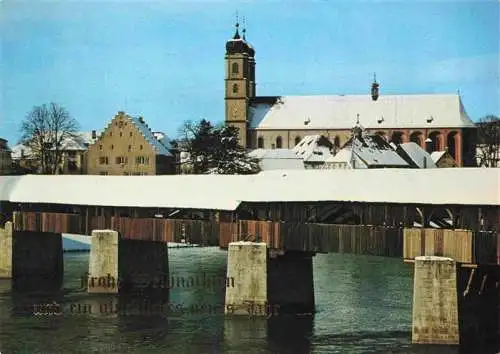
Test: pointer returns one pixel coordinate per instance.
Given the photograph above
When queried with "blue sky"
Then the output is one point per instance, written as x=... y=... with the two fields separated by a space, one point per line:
x=165 y=60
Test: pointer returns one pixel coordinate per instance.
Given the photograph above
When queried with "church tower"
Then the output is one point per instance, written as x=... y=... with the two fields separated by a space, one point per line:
x=239 y=83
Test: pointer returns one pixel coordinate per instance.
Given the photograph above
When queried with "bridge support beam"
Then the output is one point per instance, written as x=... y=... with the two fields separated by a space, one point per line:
x=266 y=284
x=435 y=304
x=132 y=267
x=6 y=251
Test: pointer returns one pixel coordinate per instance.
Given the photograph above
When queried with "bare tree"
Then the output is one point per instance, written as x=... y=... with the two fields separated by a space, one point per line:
x=488 y=147
x=43 y=131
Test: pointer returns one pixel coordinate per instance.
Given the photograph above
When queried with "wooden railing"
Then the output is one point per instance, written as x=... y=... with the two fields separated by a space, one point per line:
x=462 y=245
x=465 y=246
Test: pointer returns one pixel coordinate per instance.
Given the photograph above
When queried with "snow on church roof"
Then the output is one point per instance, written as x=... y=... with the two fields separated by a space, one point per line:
x=340 y=111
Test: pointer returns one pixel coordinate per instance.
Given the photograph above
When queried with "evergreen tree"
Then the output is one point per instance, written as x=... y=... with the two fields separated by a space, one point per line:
x=215 y=150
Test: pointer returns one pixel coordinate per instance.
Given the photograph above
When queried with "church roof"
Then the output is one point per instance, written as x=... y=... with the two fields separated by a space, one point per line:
x=340 y=111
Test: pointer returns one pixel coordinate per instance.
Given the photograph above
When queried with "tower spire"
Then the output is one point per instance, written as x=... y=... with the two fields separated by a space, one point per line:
x=244 y=28
x=237 y=25
x=375 y=86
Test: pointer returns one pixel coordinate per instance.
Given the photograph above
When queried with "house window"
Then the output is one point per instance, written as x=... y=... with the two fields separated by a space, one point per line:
x=140 y=160
x=260 y=142
x=130 y=148
x=120 y=160
x=234 y=68
x=100 y=147
x=112 y=147
x=235 y=88
x=103 y=160
x=279 y=142
x=130 y=134
x=140 y=147
x=121 y=134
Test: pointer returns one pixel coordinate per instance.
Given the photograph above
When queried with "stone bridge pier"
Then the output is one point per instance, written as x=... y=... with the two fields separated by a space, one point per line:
x=32 y=259
x=455 y=305
x=123 y=266
x=268 y=282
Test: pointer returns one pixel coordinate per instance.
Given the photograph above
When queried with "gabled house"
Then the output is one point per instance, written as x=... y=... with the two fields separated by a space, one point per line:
x=443 y=159
x=72 y=150
x=5 y=158
x=314 y=150
x=366 y=151
x=277 y=159
x=415 y=156
x=127 y=146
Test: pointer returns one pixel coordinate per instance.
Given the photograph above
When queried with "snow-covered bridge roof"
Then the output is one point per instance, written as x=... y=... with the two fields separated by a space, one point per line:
x=462 y=186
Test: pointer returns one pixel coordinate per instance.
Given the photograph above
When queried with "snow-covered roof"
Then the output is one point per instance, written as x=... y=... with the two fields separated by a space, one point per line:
x=79 y=142
x=319 y=154
x=437 y=155
x=417 y=155
x=476 y=186
x=312 y=149
x=176 y=191
x=7 y=186
x=274 y=154
x=19 y=150
x=340 y=112
x=373 y=150
x=344 y=156
x=149 y=136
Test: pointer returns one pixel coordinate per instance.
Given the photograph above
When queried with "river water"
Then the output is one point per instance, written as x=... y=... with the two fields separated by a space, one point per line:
x=363 y=305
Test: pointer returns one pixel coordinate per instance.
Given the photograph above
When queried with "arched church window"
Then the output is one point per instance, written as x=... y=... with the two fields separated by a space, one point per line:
x=260 y=142
x=234 y=68
x=235 y=88
x=279 y=142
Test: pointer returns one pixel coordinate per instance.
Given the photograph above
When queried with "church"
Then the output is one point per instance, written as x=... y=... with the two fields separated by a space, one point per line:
x=436 y=122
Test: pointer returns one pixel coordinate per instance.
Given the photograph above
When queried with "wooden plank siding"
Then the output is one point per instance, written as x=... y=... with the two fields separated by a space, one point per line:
x=465 y=246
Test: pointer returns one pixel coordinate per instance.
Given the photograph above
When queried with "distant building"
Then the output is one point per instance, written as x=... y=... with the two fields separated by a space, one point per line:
x=366 y=151
x=5 y=158
x=277 y=159
x=127 y=146
x=415 y=156
x=282 y=121
x=443 y=159
x=314 y=151
x=72 y=155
